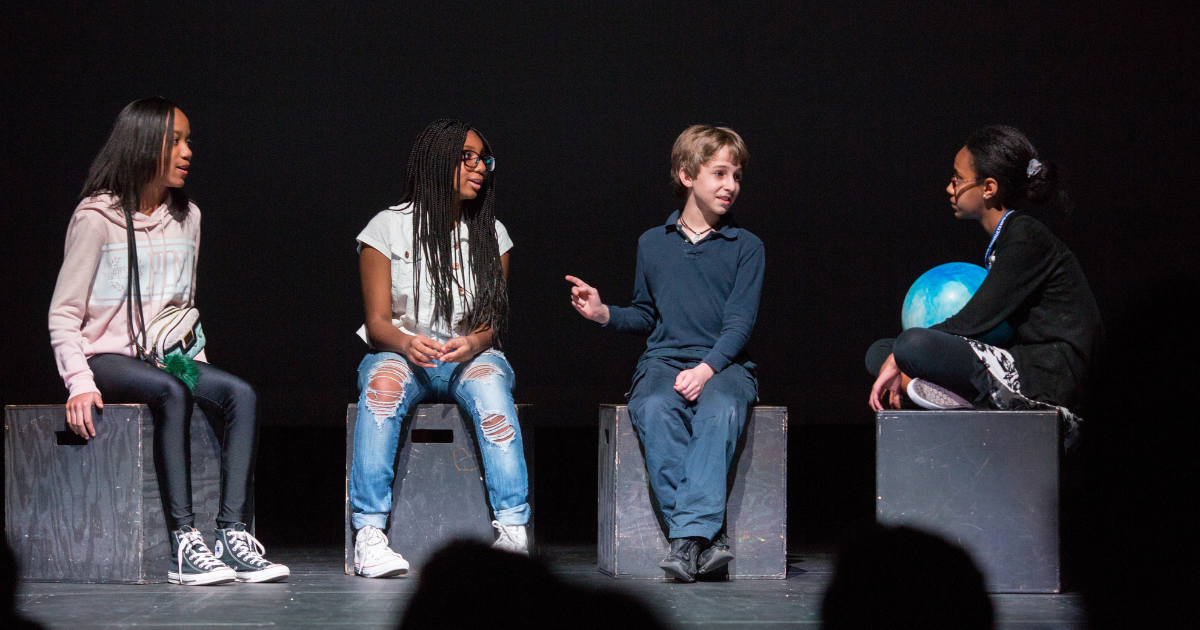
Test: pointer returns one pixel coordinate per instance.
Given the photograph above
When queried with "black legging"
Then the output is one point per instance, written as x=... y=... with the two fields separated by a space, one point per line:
x=935 y=356
x=123 y=379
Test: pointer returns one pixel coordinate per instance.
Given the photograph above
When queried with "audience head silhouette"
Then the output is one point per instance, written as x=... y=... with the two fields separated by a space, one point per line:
x=899 y=577
x=469 y=585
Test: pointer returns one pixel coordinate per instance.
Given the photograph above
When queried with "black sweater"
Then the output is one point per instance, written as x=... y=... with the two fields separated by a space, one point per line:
x=1037 y=286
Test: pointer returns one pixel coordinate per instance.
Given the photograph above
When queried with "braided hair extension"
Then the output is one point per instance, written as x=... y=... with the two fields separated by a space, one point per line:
x=431 y=185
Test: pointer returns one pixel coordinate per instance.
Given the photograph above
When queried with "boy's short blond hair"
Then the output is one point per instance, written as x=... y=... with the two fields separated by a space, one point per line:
x=697 y=145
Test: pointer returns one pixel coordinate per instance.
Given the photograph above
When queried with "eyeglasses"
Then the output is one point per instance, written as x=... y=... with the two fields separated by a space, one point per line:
x=956 y=183
x=472 y=159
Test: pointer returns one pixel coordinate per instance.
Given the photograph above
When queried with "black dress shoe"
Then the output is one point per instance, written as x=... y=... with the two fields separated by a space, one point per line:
x=715 y=556
x=680 y=562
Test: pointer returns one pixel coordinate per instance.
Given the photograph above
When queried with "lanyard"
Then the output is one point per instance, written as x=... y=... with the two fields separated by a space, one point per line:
x=987 y=256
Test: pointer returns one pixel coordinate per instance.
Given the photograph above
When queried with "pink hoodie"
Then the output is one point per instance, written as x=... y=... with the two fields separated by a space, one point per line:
x=87 y=312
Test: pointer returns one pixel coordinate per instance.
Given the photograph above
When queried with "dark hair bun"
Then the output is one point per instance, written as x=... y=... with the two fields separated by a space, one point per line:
x=1042 y=184
x=1005 y=154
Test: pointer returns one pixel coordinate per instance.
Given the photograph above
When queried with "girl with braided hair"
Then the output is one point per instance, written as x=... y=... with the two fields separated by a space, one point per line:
x=433 y=274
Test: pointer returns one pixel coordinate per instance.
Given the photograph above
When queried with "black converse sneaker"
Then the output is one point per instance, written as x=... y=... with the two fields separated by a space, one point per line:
x=194 y=564
x=241 y=551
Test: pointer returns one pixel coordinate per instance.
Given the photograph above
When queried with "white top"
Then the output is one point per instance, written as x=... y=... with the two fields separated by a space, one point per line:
x=391 y=233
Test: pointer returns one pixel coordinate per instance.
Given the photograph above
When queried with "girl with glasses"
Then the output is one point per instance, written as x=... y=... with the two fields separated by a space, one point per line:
x=434 y=271
x=1034 y=283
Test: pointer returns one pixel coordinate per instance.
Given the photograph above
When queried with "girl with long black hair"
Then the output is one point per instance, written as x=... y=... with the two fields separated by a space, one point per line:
x=434 y=271
x=1034 y=283
x=98 y=321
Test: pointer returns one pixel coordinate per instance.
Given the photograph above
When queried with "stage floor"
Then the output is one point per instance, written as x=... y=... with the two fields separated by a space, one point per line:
x=319 y=595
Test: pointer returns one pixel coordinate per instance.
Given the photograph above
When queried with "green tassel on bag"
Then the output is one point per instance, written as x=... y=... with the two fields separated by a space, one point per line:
x=183 y=368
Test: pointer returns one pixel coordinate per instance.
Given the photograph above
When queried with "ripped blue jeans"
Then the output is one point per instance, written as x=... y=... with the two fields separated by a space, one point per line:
x=390 y=385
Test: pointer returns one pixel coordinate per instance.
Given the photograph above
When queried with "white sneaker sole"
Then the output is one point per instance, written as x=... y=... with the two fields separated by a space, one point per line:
x=936 y=397
x=524 y=551
x=211 y=578
x=386 y=570
x=269 y=574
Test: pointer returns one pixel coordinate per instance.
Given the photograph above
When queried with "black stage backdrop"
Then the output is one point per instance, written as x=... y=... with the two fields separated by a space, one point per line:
x=303 y=114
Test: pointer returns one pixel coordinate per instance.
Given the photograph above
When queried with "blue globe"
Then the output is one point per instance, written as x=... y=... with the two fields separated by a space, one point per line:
x=942 y=292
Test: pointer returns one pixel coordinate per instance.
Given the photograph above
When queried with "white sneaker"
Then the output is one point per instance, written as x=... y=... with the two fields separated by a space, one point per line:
x=372 y=556
x=931 y=396
x=512 y=538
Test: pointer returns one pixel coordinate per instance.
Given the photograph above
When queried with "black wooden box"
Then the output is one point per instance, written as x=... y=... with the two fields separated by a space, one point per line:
x=985 y=480
x=438 y=494
x=632 y=535
x=92 y=512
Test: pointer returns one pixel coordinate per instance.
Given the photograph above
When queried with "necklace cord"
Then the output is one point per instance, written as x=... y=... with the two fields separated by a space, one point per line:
x=687 y=227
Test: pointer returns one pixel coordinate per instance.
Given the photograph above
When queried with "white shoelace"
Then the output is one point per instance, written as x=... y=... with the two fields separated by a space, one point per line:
x=507 y=539
x=248 y=549
x=375 y=547
x=193 y=544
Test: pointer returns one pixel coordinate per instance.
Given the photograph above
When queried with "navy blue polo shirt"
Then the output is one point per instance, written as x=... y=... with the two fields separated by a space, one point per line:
x=697 y=301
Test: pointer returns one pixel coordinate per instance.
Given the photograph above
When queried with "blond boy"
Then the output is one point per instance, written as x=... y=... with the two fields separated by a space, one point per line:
x=696 y=294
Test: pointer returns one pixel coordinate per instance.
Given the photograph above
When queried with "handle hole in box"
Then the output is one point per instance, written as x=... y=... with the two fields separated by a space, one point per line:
x=432 y=436
x=69 y=438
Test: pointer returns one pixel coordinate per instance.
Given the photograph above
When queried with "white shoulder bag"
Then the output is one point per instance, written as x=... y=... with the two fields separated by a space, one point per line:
x=174 y=337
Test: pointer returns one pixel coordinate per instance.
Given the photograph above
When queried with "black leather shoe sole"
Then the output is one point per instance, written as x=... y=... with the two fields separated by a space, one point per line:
x=712 y=559
x=677 y=571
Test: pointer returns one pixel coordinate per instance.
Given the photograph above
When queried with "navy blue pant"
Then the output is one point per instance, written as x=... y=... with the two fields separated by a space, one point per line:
x=689 y=445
